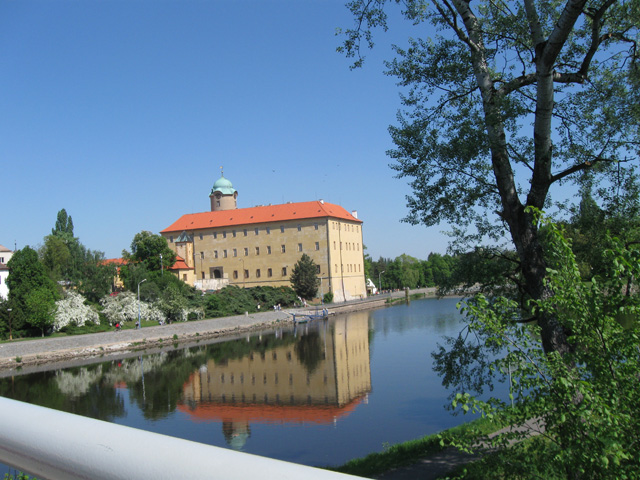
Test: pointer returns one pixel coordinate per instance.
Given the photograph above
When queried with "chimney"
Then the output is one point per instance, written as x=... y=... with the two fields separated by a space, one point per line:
x=354 y=213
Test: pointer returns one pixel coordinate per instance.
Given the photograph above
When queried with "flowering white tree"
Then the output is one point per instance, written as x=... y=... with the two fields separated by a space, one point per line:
x=124 y=308
x=72 y=310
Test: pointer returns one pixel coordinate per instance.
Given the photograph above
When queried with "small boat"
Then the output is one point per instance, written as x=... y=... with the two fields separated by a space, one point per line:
x=308 y=317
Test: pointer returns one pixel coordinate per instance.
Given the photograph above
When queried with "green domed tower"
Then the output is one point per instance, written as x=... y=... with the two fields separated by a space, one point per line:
x=223 y=196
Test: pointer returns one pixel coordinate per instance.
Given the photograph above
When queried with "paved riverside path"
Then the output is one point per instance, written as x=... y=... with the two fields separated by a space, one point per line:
x=39 y=351
x=47 y=350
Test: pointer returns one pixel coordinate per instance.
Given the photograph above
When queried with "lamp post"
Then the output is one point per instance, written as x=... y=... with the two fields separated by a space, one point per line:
x=142 y=281
x=380 y=280
x=10 y=324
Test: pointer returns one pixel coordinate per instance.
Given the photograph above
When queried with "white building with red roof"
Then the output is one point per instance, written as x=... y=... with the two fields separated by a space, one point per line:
x=5 y=256
x=259 y=246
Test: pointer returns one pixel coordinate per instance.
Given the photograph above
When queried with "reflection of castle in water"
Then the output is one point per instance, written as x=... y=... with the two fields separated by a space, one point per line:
x=318 y=378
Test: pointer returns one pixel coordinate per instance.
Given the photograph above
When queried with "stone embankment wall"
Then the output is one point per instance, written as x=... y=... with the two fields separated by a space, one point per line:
x=375 y=301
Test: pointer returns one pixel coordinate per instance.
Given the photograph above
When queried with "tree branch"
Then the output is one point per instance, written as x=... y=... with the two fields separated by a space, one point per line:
x=579 y=167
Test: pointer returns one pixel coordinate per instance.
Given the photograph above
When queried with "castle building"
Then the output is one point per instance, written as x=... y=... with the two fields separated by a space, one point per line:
x=259 y=246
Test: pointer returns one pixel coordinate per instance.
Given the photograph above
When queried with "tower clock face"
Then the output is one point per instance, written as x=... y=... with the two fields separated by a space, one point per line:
x=218 y=195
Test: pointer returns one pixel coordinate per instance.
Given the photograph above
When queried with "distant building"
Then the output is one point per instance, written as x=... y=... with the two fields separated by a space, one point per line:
x=116 y=284
x=5 y=256
x=259 y=246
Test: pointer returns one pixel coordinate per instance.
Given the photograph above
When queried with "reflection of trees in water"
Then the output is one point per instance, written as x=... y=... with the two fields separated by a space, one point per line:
x=95 y=400
x=309 y=351
x=91 y=390
x=158 y=395
x=77 y=382
x=163 y=387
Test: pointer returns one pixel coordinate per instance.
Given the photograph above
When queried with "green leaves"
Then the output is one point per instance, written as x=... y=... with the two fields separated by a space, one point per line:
x=304 y=277
x=583 y=403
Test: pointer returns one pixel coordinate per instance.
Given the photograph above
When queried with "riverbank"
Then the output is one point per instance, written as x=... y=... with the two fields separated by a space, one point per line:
x=73 y=349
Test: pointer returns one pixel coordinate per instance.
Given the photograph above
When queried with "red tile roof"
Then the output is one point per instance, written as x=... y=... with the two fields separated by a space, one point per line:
x=180 y=264
x=264 y=413
x=116 y=261
x=253 y=215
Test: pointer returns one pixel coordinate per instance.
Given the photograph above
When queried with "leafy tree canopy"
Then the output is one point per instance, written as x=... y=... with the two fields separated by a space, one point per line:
x=147 y=247
x=503 y=101
x=304 y=277
x=63 y=226
x=31 y=291
x=586 y=400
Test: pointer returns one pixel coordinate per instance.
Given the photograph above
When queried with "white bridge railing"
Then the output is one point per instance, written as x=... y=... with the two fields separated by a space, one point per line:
x=56 y=445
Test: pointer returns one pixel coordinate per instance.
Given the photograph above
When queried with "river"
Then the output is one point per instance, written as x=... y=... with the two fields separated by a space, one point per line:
x=318 y=394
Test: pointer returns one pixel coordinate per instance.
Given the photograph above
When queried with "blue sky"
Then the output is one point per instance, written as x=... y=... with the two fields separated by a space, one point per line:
x=123 y=112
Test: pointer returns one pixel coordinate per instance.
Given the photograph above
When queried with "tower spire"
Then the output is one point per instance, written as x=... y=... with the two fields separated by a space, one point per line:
x=223 y=196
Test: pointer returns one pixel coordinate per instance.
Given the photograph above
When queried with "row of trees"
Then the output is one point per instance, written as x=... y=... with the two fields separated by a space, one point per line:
x=64 y=285
x=407 y=271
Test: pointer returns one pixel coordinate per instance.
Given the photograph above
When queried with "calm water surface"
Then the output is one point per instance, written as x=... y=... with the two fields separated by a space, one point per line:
x=320 y=394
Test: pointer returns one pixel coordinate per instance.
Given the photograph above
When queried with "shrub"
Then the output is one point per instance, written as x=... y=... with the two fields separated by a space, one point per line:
x=72 y=311
x=124 y=308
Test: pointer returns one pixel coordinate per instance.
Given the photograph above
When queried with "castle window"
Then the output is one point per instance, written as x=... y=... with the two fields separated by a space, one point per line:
x=256 y=231
x=215 y=254
x=246 y=251
x=200 y=236
x=224 y=234
x=299 y=227
x=315 y=226
x=281 y=228
x=235 y=252
x=215 y=235
x=269 y=272
x=234 y=234
x=299 y=247
x=268 y=229
x=318 y=269
x=283 y=249
x=258 y=273
x=245 y=232
x=224 y=253
x=317 y=245
x=257 y=250
x=235 y=274
x=246 y=274
x=284 y=271
x=170 y=240
x=202 y=255
x=268 y=249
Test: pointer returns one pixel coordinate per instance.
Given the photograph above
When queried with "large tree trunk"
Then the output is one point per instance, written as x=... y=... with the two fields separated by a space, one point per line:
x=524 y=233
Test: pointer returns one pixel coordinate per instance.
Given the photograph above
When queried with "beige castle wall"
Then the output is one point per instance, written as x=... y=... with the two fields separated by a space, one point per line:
x=336 y=246
x=346 y=259
x=278 y=377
